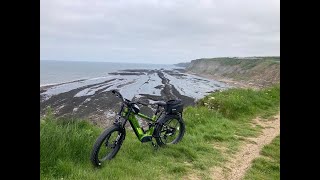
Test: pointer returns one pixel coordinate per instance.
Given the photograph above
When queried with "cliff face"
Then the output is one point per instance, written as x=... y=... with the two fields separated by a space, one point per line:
x=183 y=64
x=262 y=71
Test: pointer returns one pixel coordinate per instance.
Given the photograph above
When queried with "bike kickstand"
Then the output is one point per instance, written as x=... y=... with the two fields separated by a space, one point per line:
x=155 y=145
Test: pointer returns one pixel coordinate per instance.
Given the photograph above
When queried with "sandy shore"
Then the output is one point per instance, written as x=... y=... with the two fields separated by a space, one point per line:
x=229 y=81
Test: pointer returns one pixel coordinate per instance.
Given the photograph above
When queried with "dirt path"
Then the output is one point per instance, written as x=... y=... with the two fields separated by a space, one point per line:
x=237 y=165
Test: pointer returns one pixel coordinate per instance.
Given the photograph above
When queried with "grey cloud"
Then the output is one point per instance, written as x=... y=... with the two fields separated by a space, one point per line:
x=168 y=31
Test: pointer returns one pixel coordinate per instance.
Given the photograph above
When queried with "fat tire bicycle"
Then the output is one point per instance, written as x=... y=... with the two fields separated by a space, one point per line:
x=166 y=126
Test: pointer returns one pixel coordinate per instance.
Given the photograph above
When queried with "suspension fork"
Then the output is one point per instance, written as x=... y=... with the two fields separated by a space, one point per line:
x=122 y=125
x=126 y=118
x=117 y=120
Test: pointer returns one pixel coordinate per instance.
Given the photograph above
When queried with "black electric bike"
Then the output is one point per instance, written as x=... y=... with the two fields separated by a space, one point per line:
x=166 y=126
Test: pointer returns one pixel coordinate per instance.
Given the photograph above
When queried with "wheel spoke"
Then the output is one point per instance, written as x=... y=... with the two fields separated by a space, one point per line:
x=176 y=124
x=165 y=138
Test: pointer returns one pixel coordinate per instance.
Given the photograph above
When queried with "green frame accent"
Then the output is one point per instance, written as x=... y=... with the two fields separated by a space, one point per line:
x=140 y=133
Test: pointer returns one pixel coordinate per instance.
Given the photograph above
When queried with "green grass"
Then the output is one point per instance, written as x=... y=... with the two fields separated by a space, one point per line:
x=228 y=61
x=65 y=145
x=249 y=64
x=267 y=166
x=245 y=64
x=244 y=103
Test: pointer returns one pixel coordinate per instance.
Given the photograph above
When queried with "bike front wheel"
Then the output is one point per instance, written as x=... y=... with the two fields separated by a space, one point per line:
x=107 y=145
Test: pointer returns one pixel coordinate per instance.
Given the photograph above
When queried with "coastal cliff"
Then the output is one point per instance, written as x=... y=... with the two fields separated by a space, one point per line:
x=252 y=71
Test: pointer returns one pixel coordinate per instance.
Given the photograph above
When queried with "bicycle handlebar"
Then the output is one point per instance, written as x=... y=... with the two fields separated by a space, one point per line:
x=117 y=93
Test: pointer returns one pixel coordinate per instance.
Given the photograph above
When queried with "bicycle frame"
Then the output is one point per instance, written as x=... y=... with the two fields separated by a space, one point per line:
x=141 y=134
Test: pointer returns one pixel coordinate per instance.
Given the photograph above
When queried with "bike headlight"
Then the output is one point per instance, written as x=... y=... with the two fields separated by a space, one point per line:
x=135 y=108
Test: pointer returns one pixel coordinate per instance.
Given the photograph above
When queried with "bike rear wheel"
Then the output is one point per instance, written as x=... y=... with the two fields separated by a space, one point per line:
x=107 y=145
x=170 y=131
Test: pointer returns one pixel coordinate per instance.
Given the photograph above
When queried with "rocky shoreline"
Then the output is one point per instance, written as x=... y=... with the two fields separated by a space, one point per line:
x=92 y=98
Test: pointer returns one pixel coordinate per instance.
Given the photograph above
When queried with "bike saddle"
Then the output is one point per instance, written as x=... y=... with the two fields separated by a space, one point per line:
x=160 y=103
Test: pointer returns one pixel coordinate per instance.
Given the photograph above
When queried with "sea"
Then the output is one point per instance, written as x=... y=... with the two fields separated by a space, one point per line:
x=54 y=72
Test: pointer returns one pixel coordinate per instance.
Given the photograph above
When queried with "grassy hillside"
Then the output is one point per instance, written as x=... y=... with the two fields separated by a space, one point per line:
x=267 y=166
x=214 y=128
x=264 y=71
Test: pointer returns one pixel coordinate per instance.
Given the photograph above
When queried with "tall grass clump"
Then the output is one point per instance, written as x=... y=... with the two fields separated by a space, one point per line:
x=243 y=103
x=64 y=143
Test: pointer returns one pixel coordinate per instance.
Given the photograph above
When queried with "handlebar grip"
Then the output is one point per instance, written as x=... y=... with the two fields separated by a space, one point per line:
x=115 y=92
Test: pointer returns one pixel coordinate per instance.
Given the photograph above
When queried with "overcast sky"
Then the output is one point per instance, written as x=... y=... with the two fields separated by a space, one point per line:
x=157 y=31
